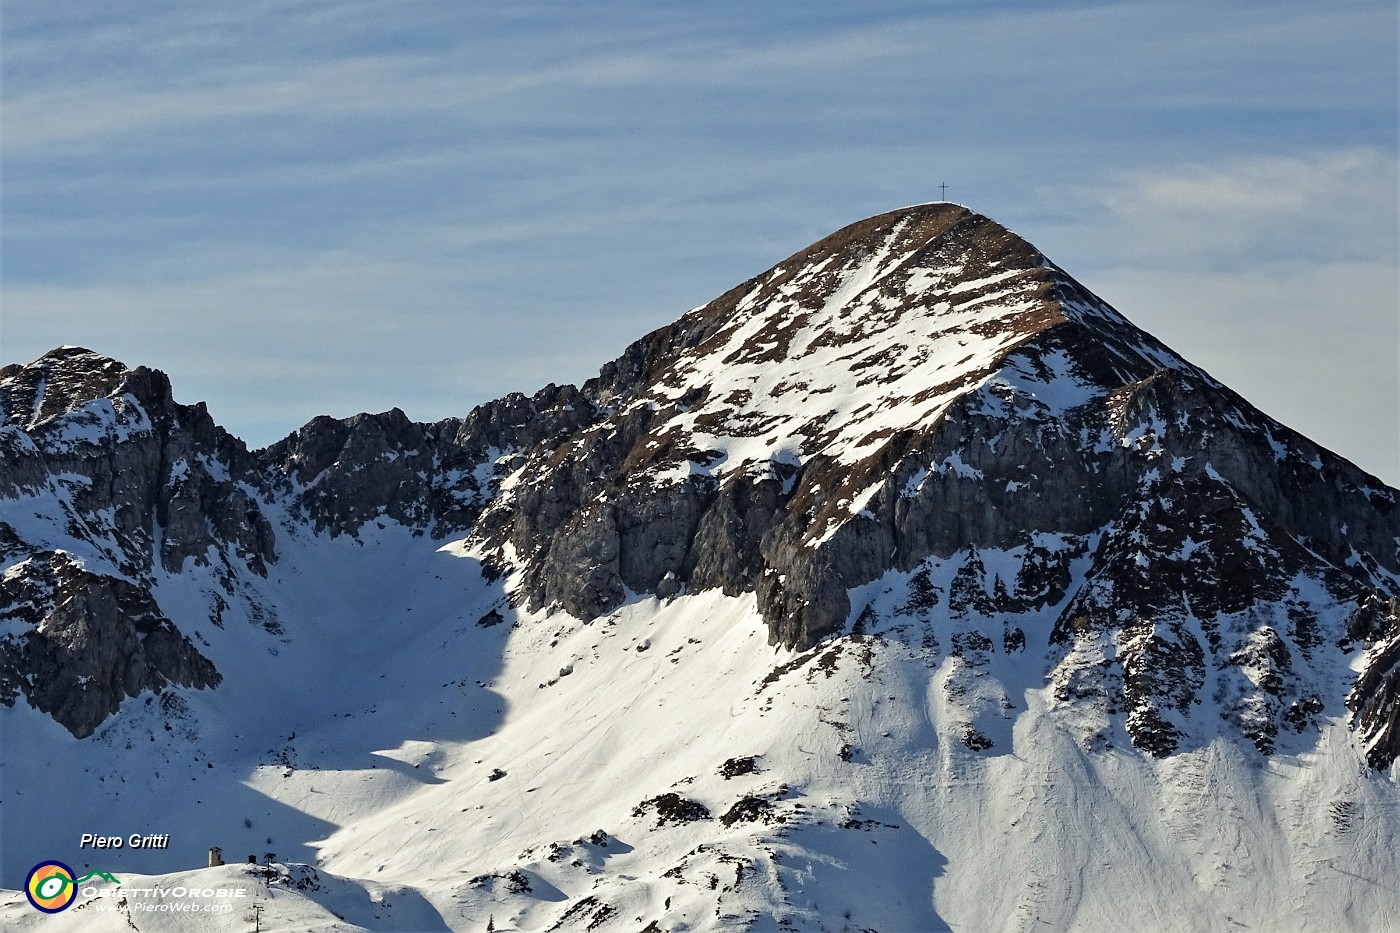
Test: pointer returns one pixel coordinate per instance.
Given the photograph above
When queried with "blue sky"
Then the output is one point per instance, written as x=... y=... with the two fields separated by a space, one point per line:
x=298 y=207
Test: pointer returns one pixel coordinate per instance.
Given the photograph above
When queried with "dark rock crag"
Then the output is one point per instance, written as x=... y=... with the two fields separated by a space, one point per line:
x=95 y=641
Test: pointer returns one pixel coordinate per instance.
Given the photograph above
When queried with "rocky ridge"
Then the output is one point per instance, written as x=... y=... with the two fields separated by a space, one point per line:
x=920 y=394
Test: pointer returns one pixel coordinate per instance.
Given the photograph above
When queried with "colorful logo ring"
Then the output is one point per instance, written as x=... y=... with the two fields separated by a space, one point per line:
x=51 y=887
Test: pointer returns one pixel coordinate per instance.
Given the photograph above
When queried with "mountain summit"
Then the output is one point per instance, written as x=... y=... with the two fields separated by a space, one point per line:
x=924 y=384
x=910 y=541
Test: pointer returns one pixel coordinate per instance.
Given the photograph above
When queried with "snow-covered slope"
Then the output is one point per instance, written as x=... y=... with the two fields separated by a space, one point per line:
x=905 y=587
x=855 y=801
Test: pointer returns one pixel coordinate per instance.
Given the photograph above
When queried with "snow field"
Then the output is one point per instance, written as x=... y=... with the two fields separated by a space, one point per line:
x=366 y=745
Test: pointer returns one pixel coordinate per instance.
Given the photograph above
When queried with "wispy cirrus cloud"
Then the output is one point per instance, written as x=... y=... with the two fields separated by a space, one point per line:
x=1328 y=204
x=1276 y=273
x=183 y=174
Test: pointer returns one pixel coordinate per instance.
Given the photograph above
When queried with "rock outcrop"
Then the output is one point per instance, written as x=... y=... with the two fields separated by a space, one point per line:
x=93 y=641
x=102 y=456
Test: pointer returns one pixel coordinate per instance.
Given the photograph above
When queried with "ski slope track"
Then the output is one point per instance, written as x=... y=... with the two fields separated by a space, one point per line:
x=907 y=586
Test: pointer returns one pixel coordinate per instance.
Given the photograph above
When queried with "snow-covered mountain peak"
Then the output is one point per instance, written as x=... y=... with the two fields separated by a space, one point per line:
x=847 y=408
x=875 y=329
x=57 y=383
x=906 y=585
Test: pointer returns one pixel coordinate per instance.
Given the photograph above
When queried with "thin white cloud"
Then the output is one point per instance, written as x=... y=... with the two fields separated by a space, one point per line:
x=978 y=55
x=1336 y=203
x=1278 y=274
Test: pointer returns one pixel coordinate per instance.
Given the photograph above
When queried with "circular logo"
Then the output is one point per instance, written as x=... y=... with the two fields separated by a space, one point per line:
x=50 y=887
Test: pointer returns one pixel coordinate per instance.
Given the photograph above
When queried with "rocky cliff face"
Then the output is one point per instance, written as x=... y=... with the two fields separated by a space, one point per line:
x=106 y=480
x=438 y=477
x=920 y=394
x=95 y=641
